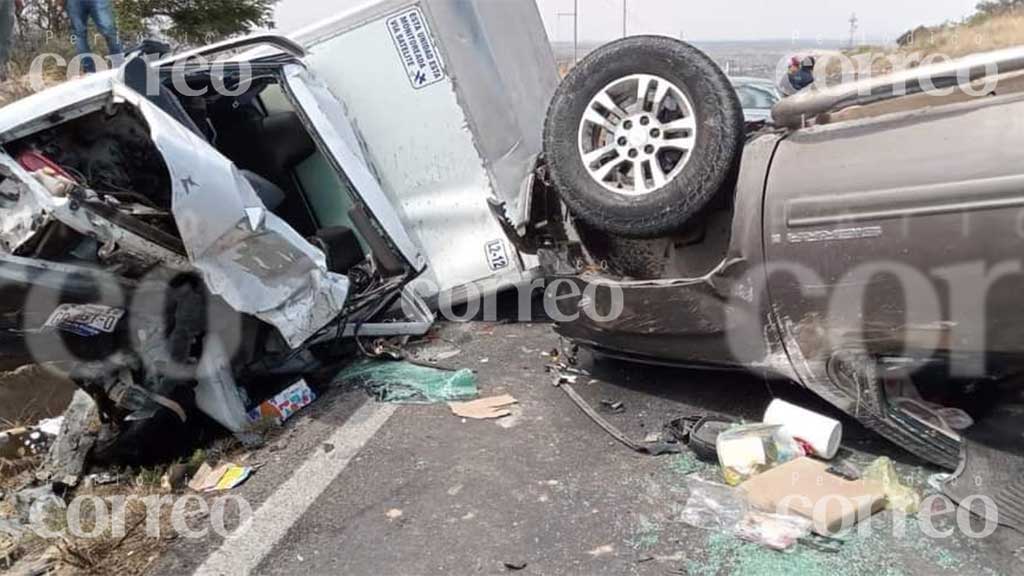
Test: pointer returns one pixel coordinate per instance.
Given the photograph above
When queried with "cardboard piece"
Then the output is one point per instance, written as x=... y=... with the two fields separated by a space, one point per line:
x=803 y=487
x=484 y=408
x=223 y=477
x=204 y=478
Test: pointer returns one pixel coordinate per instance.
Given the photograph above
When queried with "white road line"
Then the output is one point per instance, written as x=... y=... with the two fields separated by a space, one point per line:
x=287 y=505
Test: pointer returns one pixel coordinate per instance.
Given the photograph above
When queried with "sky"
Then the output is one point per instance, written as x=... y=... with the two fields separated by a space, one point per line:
x=705 y=20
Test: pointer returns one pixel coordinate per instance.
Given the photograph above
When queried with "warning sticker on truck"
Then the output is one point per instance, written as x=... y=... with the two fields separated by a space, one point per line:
x=416 y=48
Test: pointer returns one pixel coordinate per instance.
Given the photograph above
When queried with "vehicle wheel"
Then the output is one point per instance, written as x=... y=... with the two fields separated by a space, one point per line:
x=641 y=135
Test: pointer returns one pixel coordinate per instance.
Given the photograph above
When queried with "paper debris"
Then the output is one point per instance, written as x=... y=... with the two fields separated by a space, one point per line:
x=484 y=408
x=223 y=477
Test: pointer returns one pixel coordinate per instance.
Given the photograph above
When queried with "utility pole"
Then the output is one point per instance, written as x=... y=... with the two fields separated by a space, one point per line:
x=625 y=17
x=853 y=29
x=576 y=31
x=575 y=14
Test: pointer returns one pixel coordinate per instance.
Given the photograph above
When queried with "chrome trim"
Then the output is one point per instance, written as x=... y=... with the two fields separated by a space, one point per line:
x=927 y=200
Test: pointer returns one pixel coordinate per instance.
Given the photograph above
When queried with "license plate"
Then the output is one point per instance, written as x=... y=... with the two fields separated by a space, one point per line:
x=85 y=319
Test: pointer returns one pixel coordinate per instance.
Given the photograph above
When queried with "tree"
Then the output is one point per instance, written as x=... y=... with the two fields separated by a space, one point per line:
x=998 y=7
x=191 y=22
x=195 y=21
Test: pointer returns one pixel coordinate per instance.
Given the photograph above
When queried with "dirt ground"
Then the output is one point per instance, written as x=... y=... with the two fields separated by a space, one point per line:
x=30 y=393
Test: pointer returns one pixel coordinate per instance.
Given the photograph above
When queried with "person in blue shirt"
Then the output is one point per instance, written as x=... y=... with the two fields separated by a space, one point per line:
x=799 y=76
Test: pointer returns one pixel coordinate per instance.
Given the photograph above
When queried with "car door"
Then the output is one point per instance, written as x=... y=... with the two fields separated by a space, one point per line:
x=901 y=235
x=334 y=137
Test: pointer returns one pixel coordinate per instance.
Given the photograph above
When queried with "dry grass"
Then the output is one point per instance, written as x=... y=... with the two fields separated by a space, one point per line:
x=20 y=86
x=929 y=46
x=990 y=34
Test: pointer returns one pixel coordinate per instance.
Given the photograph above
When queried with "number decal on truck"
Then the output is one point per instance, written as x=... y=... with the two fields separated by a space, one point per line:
x=497 y=255
x=85 y=319
x=416 y=48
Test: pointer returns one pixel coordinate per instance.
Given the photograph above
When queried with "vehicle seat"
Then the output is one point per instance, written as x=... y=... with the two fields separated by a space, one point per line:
x=269 y=193
x=270 y=145
x=136 y=72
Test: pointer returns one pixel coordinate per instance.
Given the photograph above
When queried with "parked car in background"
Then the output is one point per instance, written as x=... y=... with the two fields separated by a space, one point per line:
x=757 y=97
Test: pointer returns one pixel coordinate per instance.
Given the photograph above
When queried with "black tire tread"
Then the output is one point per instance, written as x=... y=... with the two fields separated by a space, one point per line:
x=720 y=138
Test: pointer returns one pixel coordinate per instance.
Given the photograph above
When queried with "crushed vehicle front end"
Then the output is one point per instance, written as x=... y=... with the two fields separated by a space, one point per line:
x=171 y=263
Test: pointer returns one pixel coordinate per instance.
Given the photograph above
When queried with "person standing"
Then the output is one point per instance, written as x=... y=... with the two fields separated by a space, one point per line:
x=102 y=14
x=8 y=13
x=799 y=76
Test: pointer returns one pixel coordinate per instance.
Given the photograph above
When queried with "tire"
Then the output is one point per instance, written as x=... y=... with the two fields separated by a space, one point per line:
x=619 y=203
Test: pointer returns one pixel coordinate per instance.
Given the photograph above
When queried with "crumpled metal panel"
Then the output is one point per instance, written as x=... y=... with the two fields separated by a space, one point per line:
x=23 y=217
x=248 y=256
x=88 y=223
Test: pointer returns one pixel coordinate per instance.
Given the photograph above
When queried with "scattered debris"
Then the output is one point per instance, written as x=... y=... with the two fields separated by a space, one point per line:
x=804 y=487
x=821 y=433
x=222 y=478
x=602 y=550
x=651 y=449
x=700 y=434
x=686 y=464
x=845 y=470
x=283 y=406
x=775 y=531
x=612 y=407
x=484 y=408
x=446 y=355
x=713 y=506
x=748 y=450
x=407 y=383
x=724 y=509
x=65 y=462
x=19 y=443
x=103 y=478
x=175 y=479
x=898 y=496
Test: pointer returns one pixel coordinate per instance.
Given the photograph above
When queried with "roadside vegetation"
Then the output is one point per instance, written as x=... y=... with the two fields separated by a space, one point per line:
x=995 y=25
x=43 y=28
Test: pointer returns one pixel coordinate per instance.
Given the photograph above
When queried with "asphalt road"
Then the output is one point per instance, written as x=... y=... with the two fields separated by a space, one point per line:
x=379 y=489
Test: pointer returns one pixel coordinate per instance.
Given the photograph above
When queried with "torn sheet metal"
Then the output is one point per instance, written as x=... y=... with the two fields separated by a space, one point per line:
x=217 y=394
x=87 y=222
x=248 y=256
x=23 y=217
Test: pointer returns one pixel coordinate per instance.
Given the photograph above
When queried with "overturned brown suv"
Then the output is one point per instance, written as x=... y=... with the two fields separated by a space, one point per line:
x=867 y=246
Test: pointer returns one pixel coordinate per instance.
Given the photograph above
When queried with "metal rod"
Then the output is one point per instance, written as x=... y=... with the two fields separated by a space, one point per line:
x=794 y=111
x=625 y=4
x=576 y=31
